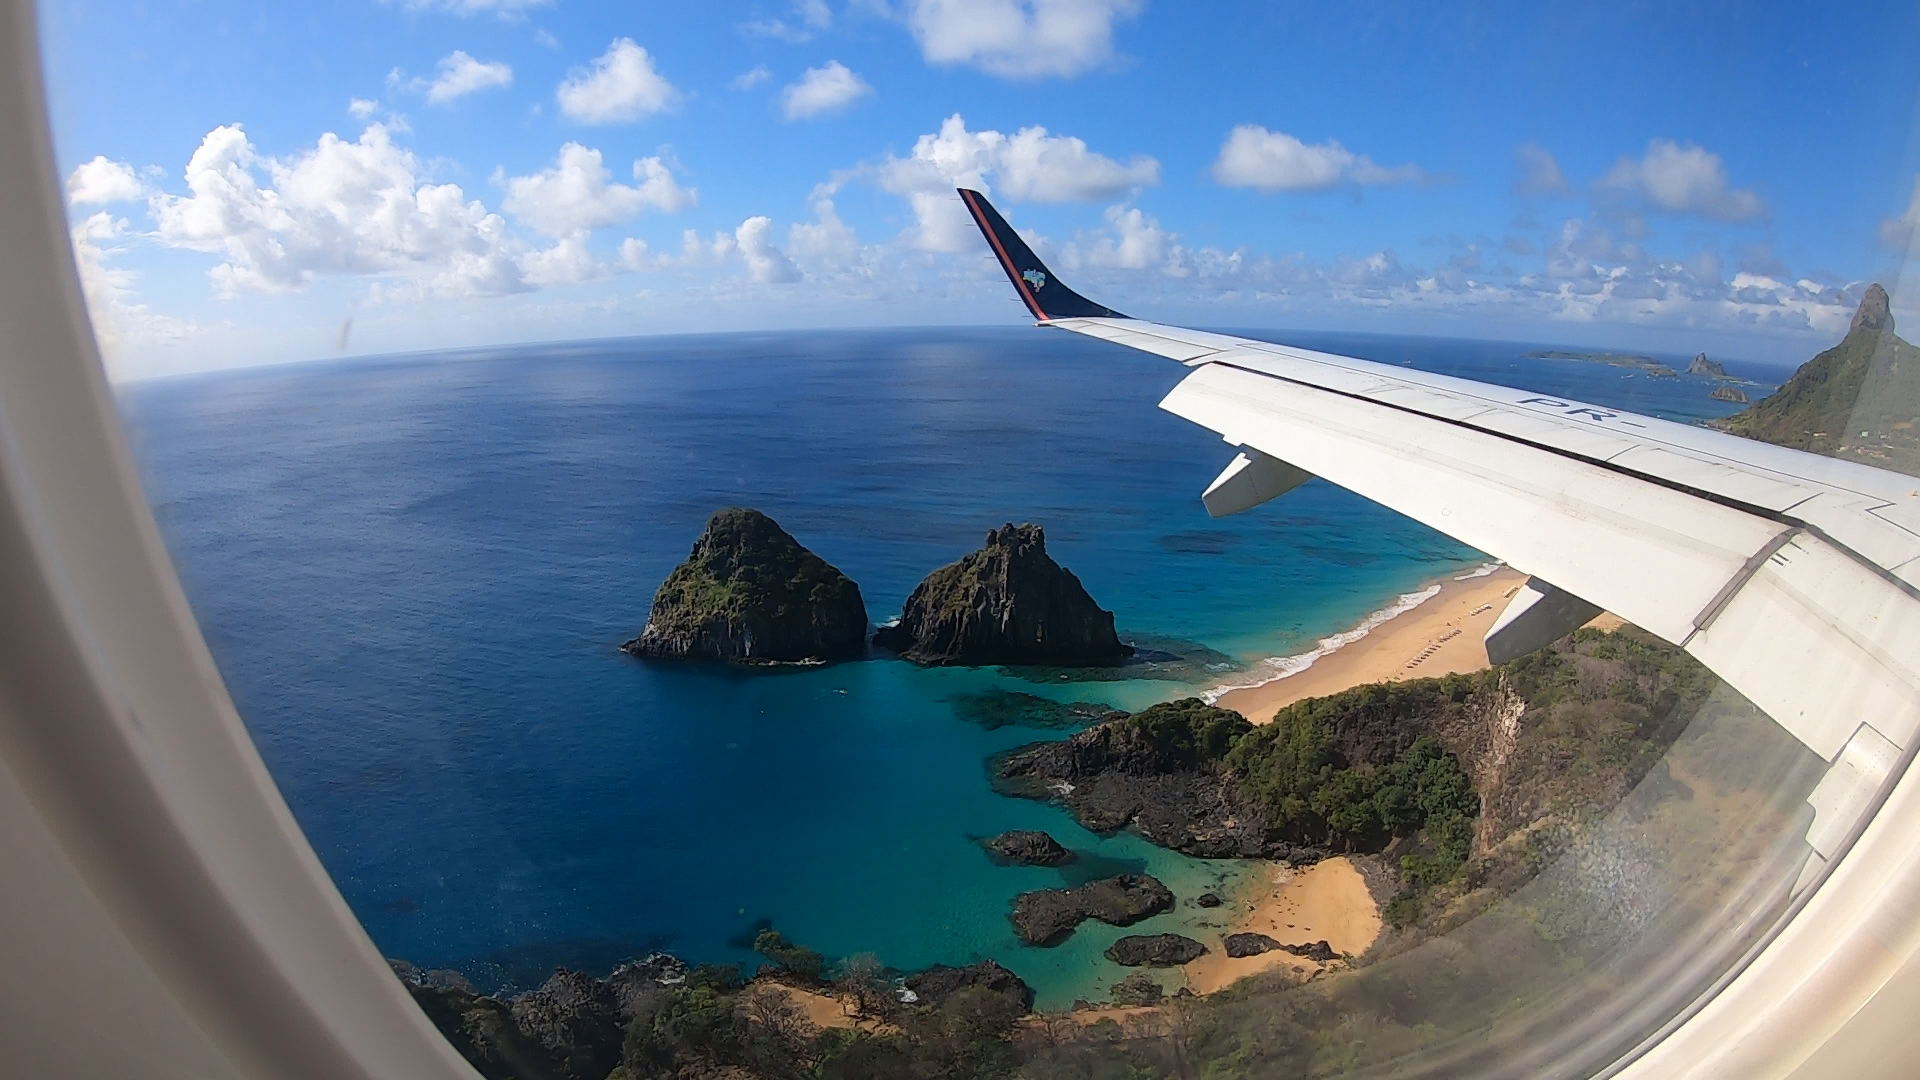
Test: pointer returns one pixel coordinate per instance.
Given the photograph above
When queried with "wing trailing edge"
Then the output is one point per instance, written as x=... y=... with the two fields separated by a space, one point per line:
x=1045 y=295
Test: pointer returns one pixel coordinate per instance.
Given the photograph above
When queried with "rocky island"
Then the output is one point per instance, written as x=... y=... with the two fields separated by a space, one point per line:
x=750 y=594
x=1047 y=916
x=1712 y=369
x=1029 y=847
x=1007 y=603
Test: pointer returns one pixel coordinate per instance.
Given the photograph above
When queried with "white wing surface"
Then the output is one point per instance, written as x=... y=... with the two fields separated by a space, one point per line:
x=1791 y=575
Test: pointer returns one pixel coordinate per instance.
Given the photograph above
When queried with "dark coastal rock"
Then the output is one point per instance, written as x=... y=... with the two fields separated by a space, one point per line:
x=1728 y=393
x=940 y=982
x=1239 y=945
x=483 y=1030
x=1008 y=603
x=1046 y=916
x=1029 y=847
x=1158 y=771
x=1318 y=950
x=749 y=593
x=1155 y=950
x=1207 y=899
x=1136 y=989
x=1703 y=366
x=577 y=1019
x=633 y=981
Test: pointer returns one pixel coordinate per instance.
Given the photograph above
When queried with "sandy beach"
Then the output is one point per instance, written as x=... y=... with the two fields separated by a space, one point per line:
x=1441 y=636
x=1326 y=901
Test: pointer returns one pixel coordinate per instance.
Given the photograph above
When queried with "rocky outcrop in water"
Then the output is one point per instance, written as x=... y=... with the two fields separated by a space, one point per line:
x=1047 y=916
x=1155 y=950
x=1029 y=847
x=1239 y=945
x=1728 y=393
x=936 y=984
x=1207 y=899
x=1007 y=603
x=1158 y=771
x=750 y=594
x=1703 y=366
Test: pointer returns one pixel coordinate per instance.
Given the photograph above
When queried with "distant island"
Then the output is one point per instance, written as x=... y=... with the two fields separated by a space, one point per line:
x=1855 y=400
x=1712 y=369
x=1612 y=359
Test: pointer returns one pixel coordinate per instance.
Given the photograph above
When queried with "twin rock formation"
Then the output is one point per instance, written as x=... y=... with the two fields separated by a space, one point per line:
x=750 y=593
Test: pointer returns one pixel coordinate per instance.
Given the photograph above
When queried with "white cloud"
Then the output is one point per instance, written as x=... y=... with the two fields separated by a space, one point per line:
x=1539 y=173
x=766 y=264
x=822 y=90
x=620 y=87
x=100 y=181
x=361 y=108
x=505 y=9
x=1030 y=166
x=118 y=321
x=339 y=208
x=568 y=261
x=1683 y=179
x=1018 y=39
x=1137 y=241
x=813 y=16
x=576 y=192
x=1271 y=161
x=1895 y=232
x=747 y=80
x=544 y=38
x=460 y=75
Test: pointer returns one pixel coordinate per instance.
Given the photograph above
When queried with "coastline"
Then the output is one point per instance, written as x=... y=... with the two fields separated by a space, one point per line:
x=1436 y=630
x=1327 y=901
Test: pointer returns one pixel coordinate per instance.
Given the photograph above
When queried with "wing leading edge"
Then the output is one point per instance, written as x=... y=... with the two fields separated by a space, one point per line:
x=1792 y=576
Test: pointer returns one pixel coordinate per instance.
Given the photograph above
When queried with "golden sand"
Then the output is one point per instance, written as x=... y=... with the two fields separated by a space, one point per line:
x=1440 y=637
x=1326 y=901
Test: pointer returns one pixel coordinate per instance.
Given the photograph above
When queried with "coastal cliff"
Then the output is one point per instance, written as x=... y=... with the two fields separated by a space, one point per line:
x=1856 y=400
x=1007 y=603
x=749 y=593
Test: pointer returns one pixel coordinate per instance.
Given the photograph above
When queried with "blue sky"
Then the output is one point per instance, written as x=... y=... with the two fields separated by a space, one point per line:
x=254 y=185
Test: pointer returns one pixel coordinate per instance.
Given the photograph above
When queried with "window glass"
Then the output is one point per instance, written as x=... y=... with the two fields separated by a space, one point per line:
x=705 y=630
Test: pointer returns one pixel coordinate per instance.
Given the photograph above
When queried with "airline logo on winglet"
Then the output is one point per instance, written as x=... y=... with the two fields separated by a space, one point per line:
x=1035 y=278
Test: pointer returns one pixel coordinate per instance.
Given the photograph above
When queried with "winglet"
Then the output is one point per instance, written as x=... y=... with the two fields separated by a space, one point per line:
x=1045 y=295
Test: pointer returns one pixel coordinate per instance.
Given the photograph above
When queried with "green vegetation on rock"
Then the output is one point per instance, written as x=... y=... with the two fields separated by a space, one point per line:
x=1857 y=400
x=749 y=593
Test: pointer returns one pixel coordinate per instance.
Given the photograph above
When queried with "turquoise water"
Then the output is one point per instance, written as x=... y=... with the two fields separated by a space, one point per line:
x=414 y=573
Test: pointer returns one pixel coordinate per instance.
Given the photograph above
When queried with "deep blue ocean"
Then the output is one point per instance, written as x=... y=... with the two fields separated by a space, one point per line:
x=415 y=572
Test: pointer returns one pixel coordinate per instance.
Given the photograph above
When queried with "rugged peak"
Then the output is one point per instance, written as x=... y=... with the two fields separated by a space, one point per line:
x=1007 y=603
x=750 y=593
x=1875 y=313
x=1018 y=538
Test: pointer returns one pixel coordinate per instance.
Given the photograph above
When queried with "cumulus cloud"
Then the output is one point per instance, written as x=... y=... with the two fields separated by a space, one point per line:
x=766 y=264
x=577 y=192
x=459 y=75
x=810 y=17
x=822 y=90
x=1895 y=232
x=1030 y=166
x=1018 y=39
x=620 y=87
x=567 y=262
x=99 y=182
x=1134 y=241
x=1273 y=161
x=1682 y=179
x=749 y=79
x=1539 y=173
x=118 y=320
x=340 y=208
x=361 y=108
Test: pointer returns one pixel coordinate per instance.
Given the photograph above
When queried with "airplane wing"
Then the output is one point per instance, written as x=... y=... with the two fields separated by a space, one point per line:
x=1794 y=577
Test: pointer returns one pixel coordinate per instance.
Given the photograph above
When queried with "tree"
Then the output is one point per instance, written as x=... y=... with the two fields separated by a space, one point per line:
x=788 y=957
x=863 y=978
